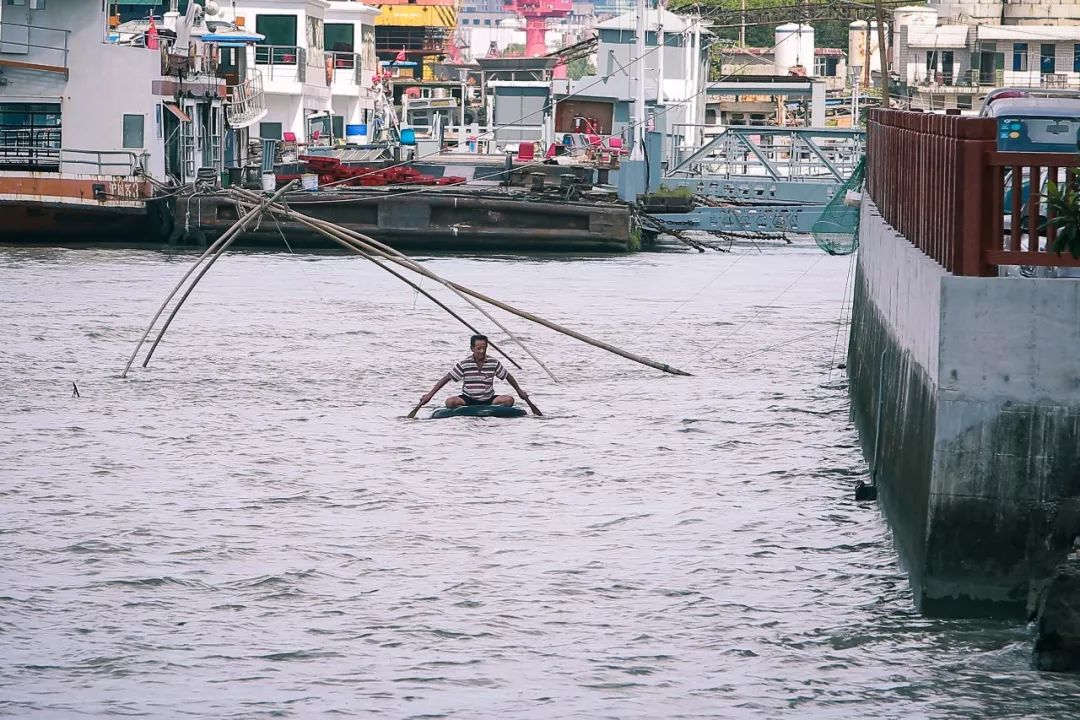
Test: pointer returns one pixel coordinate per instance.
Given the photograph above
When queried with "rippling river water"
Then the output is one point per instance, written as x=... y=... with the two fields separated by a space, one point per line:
x=250 y=528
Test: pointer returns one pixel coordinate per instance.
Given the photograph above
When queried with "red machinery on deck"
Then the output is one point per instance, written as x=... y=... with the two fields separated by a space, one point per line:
x=332 y=173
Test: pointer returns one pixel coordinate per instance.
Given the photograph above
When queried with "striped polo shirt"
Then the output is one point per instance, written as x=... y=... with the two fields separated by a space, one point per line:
x=477 y=381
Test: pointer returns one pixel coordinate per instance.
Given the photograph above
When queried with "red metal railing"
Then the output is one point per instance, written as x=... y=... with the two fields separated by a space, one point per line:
x=941 y=182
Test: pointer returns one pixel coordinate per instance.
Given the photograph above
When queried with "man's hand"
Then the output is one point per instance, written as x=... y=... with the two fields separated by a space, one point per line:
x=426 y=399
x=523 y=395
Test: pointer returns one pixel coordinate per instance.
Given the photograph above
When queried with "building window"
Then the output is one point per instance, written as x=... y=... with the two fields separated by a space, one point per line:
x=1020 y=57
x=339 y=39
x=487 y=21
x=133 y=131
x=270 y=131
x=1048 y=59
x=1076 y=58
x=280 y=36
x=963 y=102
x=931 y=64
x=230 y=58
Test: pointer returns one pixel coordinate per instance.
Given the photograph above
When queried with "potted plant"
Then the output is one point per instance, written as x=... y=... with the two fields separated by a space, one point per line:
x=1064 y=203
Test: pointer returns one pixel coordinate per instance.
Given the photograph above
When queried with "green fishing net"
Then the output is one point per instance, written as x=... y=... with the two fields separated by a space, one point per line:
x=837 y=230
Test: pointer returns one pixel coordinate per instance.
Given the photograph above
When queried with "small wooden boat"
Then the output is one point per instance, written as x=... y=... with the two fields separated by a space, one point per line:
x=499 y=411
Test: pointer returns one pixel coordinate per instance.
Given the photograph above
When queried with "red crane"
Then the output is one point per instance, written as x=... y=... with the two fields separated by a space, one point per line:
x=536 y=14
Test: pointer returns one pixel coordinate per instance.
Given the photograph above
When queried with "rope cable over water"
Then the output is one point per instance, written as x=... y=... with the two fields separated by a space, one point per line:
x=840 y=322
x=416 y=287
x=371 y=245
x=708 y=350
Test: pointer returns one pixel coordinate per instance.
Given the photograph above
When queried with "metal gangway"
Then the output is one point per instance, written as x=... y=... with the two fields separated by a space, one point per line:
x=760 y=178
x=778 y=153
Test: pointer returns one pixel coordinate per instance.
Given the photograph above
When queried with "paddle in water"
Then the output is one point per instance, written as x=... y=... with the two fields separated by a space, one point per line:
x=536 y=410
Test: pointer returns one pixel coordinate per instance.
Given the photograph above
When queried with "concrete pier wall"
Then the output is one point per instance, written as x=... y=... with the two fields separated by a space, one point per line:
x=978 y=458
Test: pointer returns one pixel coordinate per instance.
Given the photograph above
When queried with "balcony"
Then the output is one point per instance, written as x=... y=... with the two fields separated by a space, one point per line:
x=348 y=72
x=246 y=103
x=970 y=81
x=282 y=62
x=34 y=48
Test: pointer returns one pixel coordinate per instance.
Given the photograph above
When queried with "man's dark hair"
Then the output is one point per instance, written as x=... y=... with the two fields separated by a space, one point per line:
x=475 y=339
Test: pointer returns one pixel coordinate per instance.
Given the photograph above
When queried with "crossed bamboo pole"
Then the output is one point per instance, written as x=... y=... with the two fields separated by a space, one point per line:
x=375 y=247
x=377 y=253
x=371 y=249
x=215 y=249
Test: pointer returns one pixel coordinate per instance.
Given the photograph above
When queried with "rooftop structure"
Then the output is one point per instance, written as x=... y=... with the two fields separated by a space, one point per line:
x=1009 y=12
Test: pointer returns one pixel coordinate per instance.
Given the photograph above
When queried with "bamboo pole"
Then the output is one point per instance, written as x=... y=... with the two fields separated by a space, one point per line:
x=375 y=247
x=233 y=230
x=385 y=251
x=346 y=242
x=572 y=333
x=210 y=263
x=401 y=259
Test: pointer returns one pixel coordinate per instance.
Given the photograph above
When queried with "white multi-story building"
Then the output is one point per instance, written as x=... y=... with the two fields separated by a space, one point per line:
x=350 y=45
x=950 y=54
x=317 y=61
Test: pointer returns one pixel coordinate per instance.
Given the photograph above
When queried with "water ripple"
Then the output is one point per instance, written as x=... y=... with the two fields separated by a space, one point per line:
x=249 y=527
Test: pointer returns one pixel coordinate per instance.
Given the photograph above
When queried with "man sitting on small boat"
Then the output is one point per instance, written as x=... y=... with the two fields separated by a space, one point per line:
x=477 y=373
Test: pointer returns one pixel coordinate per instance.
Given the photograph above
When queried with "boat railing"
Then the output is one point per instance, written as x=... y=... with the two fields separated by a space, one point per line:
x=347 y=67
x=283 y=62
x=246 y=101
x=103 y=162
x=467 y=138
x=30 y=149
x=34 y=47
x=47 y=156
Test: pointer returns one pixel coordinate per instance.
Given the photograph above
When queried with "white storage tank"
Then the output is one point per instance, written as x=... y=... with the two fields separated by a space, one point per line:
x=913 y=16
x=922 y=16
x=863 y=48
x=794 y=47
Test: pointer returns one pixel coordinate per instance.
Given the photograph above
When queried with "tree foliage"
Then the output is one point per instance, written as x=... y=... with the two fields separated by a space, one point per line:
x=1064 y=200
x=763 y=16
x=579 y=68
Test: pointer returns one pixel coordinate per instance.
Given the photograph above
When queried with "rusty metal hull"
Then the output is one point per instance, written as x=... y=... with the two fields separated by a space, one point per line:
x=57 y=222
x=42 y=207
x=435 y=221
